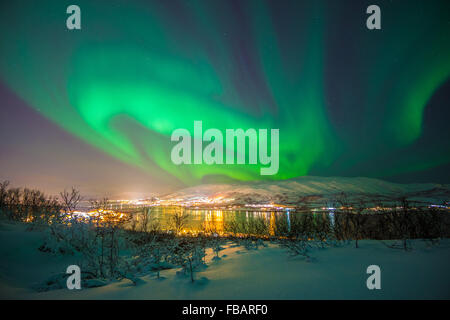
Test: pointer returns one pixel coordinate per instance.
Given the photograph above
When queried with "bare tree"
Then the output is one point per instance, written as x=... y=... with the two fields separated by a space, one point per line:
x=298 y=246
x=145 y=219
x=189 y=253
x=400 y=224
x=179 y=219
x=359 y=220
x=3 y=196
x=70 y=200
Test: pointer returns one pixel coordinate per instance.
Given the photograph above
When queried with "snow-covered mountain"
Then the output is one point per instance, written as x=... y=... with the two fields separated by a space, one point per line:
x=316 y=189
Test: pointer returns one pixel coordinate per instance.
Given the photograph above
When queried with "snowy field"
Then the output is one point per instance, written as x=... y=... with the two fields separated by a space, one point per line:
x=266 y=273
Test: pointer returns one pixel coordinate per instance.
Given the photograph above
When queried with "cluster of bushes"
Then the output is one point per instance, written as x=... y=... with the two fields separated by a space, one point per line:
x=349 y=221
x=23 y=204
x=132 y=246
x=156 y=251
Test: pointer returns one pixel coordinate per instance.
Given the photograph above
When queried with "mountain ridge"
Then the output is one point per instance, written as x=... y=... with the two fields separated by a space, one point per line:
x=290 y=190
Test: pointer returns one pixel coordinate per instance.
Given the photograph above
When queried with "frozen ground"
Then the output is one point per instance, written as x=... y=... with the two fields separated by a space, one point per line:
x=266 y=273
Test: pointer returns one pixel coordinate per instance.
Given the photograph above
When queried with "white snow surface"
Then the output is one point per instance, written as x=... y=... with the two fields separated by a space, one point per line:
x=266 y=273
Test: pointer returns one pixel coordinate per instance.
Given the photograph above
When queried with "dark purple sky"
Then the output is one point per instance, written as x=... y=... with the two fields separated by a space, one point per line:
x=37 y=153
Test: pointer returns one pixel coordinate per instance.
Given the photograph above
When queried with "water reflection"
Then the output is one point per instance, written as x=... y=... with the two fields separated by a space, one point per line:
x=318 y=225
x=236 y=222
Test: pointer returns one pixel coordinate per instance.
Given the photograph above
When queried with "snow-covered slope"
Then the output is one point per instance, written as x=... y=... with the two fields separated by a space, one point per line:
x=266 y=273
x=289 y=191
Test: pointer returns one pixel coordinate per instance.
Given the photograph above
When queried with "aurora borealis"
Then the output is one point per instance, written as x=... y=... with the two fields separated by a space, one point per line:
x=347 y=100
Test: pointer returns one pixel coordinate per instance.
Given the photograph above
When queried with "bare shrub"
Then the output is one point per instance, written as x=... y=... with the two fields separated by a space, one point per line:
x=179 y=220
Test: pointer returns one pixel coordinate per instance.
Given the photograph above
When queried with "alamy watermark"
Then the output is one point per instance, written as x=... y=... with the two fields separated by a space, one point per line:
x=374 y=280
x=235 y=151
x=74 y=280
x=373 y=22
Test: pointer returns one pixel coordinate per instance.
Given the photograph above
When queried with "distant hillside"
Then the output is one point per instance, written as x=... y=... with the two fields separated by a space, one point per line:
x=317 y=189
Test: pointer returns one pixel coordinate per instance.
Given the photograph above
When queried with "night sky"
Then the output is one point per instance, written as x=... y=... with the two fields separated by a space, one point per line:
x=95 y=107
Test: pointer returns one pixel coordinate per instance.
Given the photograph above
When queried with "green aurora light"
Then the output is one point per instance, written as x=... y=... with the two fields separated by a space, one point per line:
x=138 y=70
